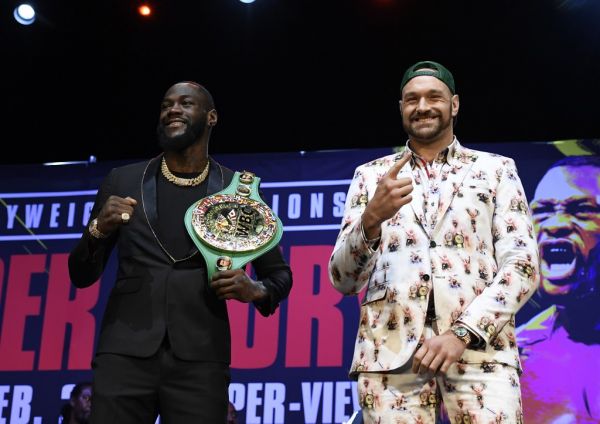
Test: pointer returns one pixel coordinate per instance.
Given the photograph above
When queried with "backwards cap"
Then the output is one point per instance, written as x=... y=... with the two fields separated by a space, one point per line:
x=429 y=68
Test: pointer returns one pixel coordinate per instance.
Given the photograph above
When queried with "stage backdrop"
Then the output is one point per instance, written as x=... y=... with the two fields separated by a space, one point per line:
x=290 y=367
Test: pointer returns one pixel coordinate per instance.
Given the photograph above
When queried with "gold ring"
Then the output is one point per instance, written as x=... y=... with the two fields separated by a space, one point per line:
x=125 y=217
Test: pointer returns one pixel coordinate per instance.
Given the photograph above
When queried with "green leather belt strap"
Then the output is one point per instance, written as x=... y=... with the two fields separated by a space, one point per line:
x=234 y=226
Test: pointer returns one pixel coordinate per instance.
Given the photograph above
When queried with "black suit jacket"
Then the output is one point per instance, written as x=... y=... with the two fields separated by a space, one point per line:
x=155 y=294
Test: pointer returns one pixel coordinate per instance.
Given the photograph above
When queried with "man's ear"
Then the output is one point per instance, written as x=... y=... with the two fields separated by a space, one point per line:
x=400 y=106
x=455 y=105
x=212 y=118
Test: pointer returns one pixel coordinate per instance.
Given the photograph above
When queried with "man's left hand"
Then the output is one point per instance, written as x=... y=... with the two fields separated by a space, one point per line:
x=235 y=284
x=437 y=354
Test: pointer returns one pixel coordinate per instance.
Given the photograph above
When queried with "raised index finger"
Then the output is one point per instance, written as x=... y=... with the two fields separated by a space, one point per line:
x=396 y=167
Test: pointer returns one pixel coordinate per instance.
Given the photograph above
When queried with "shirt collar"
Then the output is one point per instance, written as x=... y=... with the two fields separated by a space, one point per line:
x=444 y=156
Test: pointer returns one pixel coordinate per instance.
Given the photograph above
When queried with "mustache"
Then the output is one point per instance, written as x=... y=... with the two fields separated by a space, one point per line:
x=162 y=124
x=427 y=114
x=181 y=141
x=423 y=115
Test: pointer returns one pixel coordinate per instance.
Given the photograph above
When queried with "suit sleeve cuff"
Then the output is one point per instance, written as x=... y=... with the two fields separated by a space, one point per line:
x=477 y=340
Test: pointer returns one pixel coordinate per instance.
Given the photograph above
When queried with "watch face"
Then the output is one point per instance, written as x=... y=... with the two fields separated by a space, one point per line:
x=233 y=223
x=460 y=331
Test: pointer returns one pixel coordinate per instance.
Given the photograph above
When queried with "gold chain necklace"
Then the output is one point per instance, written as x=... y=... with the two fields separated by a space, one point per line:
x=183 y=182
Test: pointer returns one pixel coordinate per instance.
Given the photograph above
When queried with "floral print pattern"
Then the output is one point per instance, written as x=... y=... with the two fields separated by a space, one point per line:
x=476 y=250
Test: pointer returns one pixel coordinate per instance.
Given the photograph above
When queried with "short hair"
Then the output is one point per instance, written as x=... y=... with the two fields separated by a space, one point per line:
x=209 y=98
x=78 y=388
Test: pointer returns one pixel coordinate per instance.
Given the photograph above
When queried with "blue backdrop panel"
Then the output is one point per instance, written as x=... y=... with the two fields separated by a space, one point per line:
x=290 y=367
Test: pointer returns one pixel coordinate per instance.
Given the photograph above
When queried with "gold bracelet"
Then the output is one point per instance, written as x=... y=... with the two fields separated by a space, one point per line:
x=94 y=231
x=369 y=242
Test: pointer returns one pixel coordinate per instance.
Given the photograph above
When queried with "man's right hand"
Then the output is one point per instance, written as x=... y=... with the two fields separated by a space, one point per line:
x=109 y=218
x=391 y=194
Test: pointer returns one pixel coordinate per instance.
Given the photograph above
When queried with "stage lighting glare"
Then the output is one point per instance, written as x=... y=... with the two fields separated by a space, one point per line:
x=247 y=1
x=24 y=14
x=144 y=10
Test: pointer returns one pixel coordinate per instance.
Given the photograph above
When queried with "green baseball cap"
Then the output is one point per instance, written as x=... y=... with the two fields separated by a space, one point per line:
x=429 y=68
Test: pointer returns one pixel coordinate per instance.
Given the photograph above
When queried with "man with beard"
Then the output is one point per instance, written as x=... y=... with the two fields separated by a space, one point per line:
x=164 y=344
x=441 y=238
x=77 y=411
x=566 y=213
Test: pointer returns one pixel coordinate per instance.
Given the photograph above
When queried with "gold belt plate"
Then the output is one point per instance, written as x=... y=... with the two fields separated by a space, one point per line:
x=232 y=223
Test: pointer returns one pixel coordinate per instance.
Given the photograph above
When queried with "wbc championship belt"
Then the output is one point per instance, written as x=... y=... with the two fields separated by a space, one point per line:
x=234 y=226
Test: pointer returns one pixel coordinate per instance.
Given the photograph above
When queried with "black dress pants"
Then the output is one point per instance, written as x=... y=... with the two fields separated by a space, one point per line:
x=131 y=390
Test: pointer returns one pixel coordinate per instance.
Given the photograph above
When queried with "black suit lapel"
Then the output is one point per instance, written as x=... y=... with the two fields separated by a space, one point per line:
x=149 y=198
x=216 y=179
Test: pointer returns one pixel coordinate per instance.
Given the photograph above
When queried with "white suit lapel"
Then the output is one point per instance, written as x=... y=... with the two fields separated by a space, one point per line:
x=460 y=164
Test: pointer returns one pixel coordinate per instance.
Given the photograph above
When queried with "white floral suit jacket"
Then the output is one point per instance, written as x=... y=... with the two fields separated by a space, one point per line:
x=480 y=259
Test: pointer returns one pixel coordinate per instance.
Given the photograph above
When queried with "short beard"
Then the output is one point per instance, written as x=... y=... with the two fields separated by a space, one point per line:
x=429 y=133
x=183 y=141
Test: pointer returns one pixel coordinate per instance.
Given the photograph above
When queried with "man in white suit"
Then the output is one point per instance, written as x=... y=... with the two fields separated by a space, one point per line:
x=442 y=238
